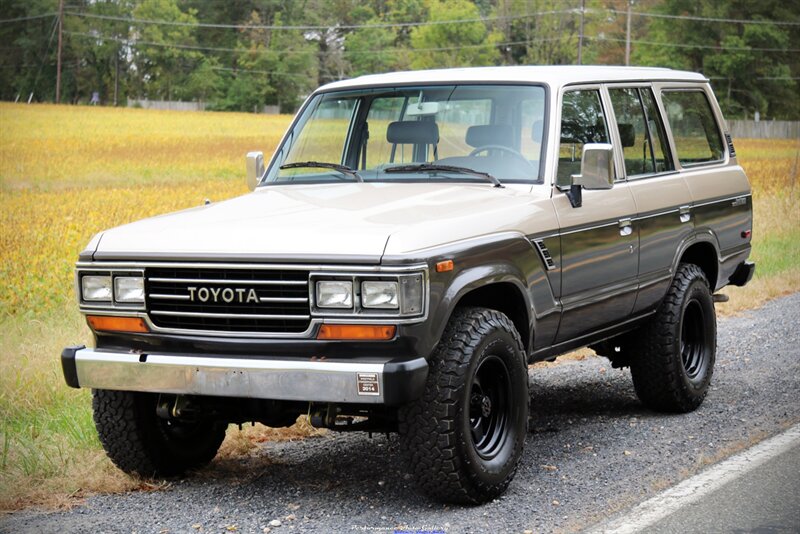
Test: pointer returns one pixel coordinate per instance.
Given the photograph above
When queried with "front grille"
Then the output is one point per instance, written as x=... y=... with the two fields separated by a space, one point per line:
x=228 y=300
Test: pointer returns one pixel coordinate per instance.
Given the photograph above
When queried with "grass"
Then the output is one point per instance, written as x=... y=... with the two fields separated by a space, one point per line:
x=67 y=172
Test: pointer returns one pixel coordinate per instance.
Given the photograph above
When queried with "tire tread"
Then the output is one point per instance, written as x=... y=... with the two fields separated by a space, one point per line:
x=428 y=426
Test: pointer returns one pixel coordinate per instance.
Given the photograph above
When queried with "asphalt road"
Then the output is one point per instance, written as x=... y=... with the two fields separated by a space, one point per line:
x=766 y=500
x=593 y=451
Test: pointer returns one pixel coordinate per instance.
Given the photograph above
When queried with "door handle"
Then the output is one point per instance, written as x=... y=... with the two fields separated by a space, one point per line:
x=625 y=227
x=685 y=213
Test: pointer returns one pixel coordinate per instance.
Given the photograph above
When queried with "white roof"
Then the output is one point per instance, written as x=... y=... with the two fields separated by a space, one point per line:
x=553 y=75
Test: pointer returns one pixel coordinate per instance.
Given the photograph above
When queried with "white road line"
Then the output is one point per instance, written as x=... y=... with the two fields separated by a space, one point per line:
x=695 y=488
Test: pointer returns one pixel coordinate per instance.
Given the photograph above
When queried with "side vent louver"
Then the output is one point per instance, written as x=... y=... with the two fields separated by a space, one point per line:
x=545 y=254
x=730 y=145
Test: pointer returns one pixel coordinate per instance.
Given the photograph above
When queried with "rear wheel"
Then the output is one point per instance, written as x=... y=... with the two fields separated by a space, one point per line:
x=674 y=360
x=464 y=437
x=139 y=441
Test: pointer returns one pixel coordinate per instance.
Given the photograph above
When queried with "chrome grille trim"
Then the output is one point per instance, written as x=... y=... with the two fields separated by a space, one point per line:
x=233 y=282
x=298 y=300
x=188 y=298
x=313 y=324
x=232 y=315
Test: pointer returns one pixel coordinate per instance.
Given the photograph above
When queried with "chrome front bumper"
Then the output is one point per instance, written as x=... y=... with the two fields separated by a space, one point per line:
x=368 y=382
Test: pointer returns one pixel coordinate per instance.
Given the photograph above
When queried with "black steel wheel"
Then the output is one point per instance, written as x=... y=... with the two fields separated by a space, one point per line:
x=490 y=407
x=464 y=437
x=694 y=341
x=673 y=357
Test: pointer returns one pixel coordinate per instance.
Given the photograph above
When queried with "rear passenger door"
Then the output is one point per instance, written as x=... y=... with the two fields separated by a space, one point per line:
x=663 y=200
x=722 y=205
x=599 y=245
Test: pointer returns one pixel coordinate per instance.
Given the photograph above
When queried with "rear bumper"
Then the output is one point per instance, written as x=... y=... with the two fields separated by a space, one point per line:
x=743 y=273
x=367 y=381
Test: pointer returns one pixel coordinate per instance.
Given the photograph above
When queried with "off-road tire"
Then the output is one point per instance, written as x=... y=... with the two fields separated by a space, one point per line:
x=676 y=349
x=480 y=350
x=138 y=441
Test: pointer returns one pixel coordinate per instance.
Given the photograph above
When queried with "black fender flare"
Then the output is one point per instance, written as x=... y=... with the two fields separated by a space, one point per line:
x=703 y=235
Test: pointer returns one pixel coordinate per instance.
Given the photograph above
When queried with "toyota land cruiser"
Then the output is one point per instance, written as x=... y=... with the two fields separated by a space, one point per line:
x=416 y=240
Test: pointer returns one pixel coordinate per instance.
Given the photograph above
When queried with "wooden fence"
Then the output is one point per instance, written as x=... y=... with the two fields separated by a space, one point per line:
x=184 y=106
x=764 y=129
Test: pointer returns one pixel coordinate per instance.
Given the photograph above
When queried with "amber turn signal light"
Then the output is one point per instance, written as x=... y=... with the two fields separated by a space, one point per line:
x=117 y=324
x=356 y=331
x=444 y=266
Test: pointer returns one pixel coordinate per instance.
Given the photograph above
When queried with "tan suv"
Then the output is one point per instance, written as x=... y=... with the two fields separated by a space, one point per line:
x=416 y=241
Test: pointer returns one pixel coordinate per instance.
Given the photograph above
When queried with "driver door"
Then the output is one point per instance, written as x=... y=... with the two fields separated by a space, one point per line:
x=599 y=240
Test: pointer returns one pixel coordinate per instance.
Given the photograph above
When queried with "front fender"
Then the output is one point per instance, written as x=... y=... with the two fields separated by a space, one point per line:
x=507 y=258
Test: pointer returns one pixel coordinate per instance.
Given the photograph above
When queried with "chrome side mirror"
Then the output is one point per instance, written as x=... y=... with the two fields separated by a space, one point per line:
x=255 y=169
x=597 y=171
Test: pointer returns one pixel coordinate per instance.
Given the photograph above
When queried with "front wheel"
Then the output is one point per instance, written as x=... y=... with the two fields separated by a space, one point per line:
x=464 y=437
x=677 y=347
x=139 y=441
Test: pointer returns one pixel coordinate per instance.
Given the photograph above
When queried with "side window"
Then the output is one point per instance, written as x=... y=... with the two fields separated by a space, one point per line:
x=640 y=131
x=694 y=128
x=632 y=126
x=655 y=126
x=582 y=121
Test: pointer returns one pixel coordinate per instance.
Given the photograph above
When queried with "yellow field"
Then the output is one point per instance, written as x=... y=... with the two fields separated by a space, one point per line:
x=68 y=172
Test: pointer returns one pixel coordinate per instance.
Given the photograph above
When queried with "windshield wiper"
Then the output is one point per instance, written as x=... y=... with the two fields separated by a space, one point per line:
x=344 y=169
x=433 y=167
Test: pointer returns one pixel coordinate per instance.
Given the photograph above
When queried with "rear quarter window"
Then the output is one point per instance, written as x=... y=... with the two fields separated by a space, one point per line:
x=694 y=128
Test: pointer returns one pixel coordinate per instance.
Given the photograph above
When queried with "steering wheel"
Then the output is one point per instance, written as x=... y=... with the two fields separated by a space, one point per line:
x=501 y=148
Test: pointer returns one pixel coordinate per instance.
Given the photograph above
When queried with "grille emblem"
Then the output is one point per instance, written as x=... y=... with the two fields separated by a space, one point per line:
x=239 y=295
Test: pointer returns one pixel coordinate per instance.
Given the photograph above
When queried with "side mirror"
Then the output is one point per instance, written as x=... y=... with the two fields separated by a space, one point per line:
x=255 y=169
x=597 y=171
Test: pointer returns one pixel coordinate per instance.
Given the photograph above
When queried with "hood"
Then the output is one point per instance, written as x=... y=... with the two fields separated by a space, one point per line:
x=354 y=222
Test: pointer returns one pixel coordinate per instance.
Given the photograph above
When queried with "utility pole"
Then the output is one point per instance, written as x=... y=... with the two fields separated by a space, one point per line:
x=628 y=35
x=58 y=60
x=116 y=76
x=580 y=34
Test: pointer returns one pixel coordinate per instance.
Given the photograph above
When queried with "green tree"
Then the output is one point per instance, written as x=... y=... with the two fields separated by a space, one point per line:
x=749 y=64
x=204 y=83
x=371 y=50
x=162 y=66
x=460 y=44
x=292 y=64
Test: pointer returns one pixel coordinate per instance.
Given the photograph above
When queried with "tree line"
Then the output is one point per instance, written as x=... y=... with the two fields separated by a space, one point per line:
x=244 y=54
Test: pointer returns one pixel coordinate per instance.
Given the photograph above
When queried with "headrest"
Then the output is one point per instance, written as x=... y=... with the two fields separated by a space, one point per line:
x=490 y=134
x=413 y=133
x=537 y=131
x=627 y=134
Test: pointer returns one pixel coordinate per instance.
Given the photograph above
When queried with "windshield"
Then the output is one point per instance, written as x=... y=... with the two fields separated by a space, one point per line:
x=429 y=133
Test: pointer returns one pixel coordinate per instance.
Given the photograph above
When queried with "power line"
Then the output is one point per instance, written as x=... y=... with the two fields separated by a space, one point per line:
x=136 y=43
x=709 y=47
x=32 y=17
x=701 y=19
x=134 y=21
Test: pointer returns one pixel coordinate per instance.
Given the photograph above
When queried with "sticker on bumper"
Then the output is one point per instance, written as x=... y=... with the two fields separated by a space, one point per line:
x=368 y=384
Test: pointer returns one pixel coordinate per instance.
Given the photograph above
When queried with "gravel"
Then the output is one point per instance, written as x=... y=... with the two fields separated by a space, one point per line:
x=592 y=451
